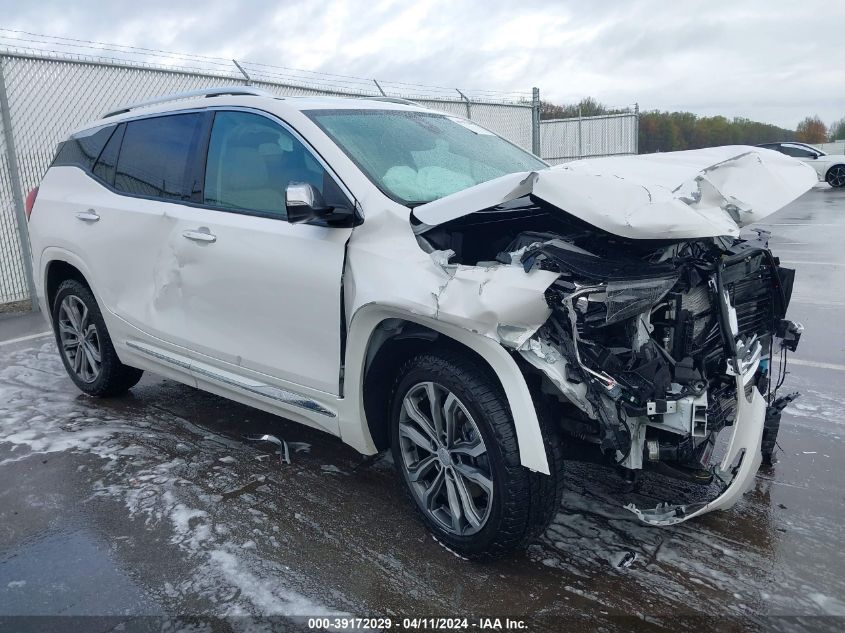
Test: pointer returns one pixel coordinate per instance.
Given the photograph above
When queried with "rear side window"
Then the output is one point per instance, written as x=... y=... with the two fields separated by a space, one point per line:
x=156 y=156
x=82 y=149
x=797 y=151
x=105 y=166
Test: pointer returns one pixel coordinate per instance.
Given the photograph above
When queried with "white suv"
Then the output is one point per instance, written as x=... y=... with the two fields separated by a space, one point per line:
x=406 y=279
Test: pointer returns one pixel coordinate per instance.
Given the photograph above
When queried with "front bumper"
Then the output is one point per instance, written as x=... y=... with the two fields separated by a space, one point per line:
x=737 y=469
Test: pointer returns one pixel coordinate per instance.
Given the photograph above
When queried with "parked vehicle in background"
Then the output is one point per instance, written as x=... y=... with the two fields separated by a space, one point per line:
x=406 y=279
x=829 y=167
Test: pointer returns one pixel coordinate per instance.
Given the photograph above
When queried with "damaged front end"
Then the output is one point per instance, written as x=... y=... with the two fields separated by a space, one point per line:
x=664 y=321
x=663 y=351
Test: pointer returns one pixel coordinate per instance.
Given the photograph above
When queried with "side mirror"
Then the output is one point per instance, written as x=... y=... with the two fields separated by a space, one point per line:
x=304 y=203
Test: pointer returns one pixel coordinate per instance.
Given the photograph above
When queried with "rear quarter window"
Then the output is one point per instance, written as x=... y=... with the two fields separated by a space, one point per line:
x=106 y=164
x=83 y=149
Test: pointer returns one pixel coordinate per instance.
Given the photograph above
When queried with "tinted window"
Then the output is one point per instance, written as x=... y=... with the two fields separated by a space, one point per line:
x=104 y=168
x=83 y=149
x=155 y=156
x=251 y=161
x=797 y=151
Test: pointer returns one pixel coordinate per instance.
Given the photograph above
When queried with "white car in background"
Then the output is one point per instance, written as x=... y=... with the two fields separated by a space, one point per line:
x=829 y=167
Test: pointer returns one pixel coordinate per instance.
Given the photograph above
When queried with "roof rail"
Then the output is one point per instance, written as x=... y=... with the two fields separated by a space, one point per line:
x=203 y=92
x=393 y=100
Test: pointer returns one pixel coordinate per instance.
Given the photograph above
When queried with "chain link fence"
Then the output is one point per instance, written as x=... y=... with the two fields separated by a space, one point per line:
x=562 y=140
x=43 y=96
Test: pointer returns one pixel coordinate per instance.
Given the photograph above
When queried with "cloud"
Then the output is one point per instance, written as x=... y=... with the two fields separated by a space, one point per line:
x=769 y=61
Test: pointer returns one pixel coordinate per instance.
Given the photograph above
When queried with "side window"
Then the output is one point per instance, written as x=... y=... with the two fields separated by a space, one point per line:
x=156 y=156
x=105 y=166
x=797 y=151
x=81 y=150
x=251 y=161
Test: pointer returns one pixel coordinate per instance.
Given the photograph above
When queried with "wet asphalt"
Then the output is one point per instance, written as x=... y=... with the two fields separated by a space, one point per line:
x=155 y=505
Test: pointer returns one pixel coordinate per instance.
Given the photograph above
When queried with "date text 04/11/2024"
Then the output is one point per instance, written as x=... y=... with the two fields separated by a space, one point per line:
x=430 y=624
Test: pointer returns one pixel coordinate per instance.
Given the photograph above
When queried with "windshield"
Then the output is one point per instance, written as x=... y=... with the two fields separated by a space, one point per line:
x=417 y=157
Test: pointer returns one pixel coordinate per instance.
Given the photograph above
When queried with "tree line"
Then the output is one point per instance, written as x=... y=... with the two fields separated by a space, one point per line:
x=671 y=131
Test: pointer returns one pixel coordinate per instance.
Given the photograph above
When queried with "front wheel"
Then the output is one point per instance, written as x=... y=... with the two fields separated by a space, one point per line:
x=836 y=176
x=454 y=444
x=85 y=345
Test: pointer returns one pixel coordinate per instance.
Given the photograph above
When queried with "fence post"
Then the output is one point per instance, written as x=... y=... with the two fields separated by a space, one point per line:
x=535 y=122
x=469 y=106
x=636 y=128
x=580 y=134
x=243 y=72
x=17 y=188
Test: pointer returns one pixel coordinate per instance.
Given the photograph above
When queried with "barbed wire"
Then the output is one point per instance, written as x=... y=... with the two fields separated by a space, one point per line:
x=54 y=46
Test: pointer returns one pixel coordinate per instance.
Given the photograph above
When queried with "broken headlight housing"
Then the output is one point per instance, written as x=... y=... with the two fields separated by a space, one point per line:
x=620 y=300
x=625 y=299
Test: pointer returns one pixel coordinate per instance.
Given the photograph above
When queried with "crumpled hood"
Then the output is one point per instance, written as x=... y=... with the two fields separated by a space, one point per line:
x=672 y=195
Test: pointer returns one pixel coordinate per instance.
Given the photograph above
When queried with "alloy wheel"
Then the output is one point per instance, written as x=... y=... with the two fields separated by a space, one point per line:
x=79 y=339
x=445 y=459
x=836 y=176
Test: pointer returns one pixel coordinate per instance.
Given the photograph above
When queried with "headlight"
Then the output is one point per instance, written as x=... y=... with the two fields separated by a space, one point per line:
x=625 y=299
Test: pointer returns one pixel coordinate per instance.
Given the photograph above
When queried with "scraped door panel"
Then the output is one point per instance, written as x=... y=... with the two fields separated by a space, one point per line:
x=118 y=238
x=145 y=173
x=264 y=295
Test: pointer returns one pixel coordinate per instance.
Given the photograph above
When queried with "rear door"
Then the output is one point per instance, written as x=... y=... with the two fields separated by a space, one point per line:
x=147 y=170
x=253 y=294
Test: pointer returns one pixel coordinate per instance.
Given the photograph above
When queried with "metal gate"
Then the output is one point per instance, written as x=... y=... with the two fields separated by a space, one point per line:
x=562 y=140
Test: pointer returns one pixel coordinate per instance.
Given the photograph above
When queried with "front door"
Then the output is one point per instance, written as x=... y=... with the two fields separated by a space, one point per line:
x=255 y=292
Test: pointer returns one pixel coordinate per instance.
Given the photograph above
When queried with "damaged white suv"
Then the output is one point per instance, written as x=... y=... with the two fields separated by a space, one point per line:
x=403 y=278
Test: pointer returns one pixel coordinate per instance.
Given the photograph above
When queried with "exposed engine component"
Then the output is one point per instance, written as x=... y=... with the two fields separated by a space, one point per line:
x=649 y=339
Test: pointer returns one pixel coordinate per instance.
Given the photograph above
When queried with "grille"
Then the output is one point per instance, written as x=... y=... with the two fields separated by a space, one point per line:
x=751 y=292
x=754 y=302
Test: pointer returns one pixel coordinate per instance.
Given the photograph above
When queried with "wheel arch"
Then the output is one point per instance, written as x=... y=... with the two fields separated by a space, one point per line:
x=57 y=265
x=381 y=337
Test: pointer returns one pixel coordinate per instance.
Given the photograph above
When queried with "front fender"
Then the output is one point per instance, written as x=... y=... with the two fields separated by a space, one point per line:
x=364 y=322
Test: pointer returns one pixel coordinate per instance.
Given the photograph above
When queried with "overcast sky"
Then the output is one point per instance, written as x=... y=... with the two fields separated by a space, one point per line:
x=774 y=61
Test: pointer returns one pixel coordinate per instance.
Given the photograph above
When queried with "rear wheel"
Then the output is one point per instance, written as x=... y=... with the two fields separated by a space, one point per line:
x=85 y=346
x=836 y=176
x=454 y=444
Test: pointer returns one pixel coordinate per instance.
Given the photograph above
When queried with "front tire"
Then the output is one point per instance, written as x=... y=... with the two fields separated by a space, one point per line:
x=836 y=176
x=454 y=445
x=85 y=345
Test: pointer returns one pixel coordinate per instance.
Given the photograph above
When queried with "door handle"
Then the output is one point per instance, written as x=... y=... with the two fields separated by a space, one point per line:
x=200 y=236
x=88 y=216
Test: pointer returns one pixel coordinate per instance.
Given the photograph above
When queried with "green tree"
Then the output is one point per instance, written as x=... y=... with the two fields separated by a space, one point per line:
x=671 y=131
x=586 y=107
x=837 y=130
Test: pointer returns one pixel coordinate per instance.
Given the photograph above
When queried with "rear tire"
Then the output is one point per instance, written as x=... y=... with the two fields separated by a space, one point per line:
x=85 y=345
x=836 y=176
x=466 y=462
